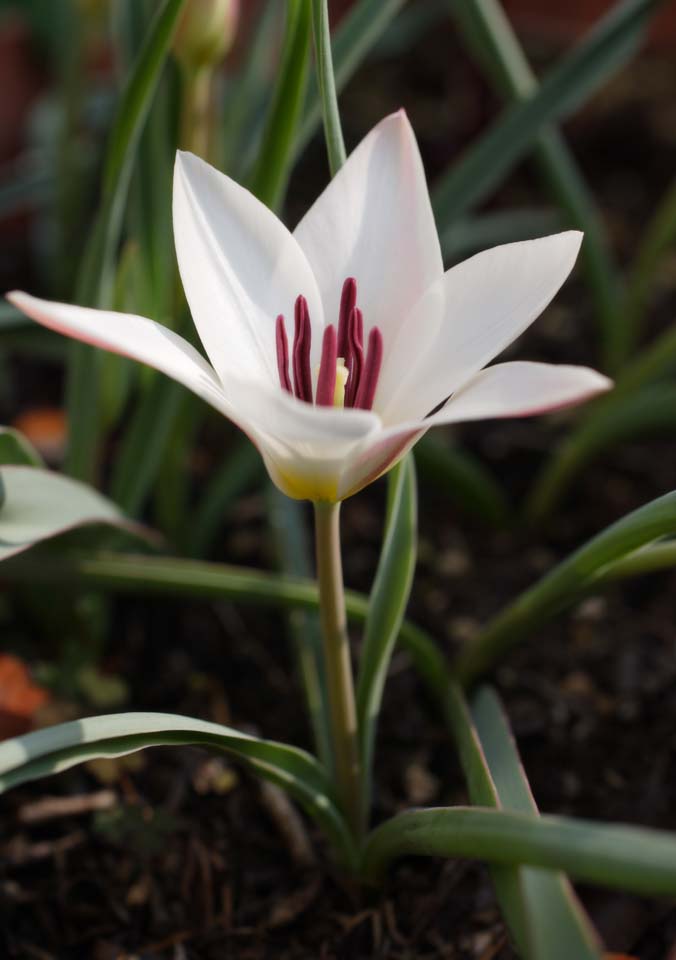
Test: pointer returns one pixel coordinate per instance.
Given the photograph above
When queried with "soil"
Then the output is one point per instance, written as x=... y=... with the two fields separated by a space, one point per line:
x=191 y=858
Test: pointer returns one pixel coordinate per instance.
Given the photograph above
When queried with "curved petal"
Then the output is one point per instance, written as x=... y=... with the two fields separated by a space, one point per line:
x=374 y=222
x=468 y=318
x=516 y=389
x=306 y=448
x=240 y=268
x=130 y=335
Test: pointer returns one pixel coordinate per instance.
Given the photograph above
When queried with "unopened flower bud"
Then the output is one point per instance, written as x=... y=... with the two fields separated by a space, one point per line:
x=205 y=32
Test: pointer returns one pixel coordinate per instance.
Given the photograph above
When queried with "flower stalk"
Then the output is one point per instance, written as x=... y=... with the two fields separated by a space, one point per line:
x=342 y=709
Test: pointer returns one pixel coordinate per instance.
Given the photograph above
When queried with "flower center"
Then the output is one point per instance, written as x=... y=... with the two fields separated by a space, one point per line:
x=347 y=375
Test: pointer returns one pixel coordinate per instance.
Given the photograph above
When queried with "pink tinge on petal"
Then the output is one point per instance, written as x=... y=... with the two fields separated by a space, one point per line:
x=326 y=382
x=366 y=390
x=348 y=301
x=302 y=342
x=283 y=355
x=354 y=361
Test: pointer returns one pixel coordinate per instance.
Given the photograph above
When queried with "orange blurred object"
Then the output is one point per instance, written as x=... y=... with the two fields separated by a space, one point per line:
x=46 y=428
x=20 y=698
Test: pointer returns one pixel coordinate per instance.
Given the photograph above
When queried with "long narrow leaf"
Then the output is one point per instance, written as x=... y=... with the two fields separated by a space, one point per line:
x=485 y=24
x=271 y=173
x=387 y=605
x=616 y=856
x=556 y=926
x=96 y=280
x=565 y=87
x=651 y=410
x=568 y=580
x=358 y=32
x=59 y=748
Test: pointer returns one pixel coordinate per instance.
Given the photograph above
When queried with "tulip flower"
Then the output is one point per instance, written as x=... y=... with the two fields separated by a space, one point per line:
x=337 y=346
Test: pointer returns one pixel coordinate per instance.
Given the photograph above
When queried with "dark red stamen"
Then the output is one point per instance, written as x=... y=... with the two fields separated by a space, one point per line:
x=355 y=355
x=326 y=381
x=283 y=355
x=369 y=379
x=348 y=300
x=302 y=341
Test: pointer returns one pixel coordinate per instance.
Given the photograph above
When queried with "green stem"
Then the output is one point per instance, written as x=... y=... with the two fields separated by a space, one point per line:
x=343 y=714
x=196 y=111
x=335 y=145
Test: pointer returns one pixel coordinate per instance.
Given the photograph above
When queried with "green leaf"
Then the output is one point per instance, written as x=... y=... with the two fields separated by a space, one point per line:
x=657 y=239
x=39 y=504
x=487 y=29
x=637 y=414
x=294 y=554
x=240 y=469
x=555 y=926
x=565 y=583
x=59 y=748
x=463 y=478
x=17 y=449
x=358 y=32
x=144 y=443
x=474 y=233
x=488 y=161
x=637 y=859
x=270 y=176
x=387 y=605
x=96 y=274
x=333 y=131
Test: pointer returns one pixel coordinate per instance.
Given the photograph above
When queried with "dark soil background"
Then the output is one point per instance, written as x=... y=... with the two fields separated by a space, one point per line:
x=190 y=858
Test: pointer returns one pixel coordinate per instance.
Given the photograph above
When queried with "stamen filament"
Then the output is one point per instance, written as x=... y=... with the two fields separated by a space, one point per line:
x=326 y=381
x=302 y=341
x=369 y=379
x=355 y=355
x=348 y=301
x=283 y=355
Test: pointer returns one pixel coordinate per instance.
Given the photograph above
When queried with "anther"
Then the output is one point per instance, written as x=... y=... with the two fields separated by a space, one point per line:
x=326 y=381
x=369 y=379
x=302 y=341
x=283 y=355
x=348 y=300
x=354 y=359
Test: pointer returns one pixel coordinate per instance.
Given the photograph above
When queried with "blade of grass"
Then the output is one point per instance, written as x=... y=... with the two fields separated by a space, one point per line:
x=617 y=856
x=333 y=133
x=96 y=274
x=269 y=178
x=486 y=163
x=556 y=926
x=486 y=27
x=241 y=469
x=387 y=605
x=639 y=414
x=358 y=32
x=59 y=748
x=294 y=553
x=463 y=478
x=567 y=581
x=656 y=240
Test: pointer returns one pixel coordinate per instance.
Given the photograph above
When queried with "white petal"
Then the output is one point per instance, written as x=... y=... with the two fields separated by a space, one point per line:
x=240 y=268
x=517 y=389
x=129 y=335
x=374 y=222
x=306 y=448
x=467 y=319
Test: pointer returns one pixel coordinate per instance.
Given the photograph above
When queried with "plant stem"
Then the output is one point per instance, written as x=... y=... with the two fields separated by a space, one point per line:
x=343 y=714
x=335 y=145
x=196 y=111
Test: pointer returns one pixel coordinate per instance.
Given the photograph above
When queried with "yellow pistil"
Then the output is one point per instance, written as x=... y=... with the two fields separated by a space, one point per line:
x=342 y=374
